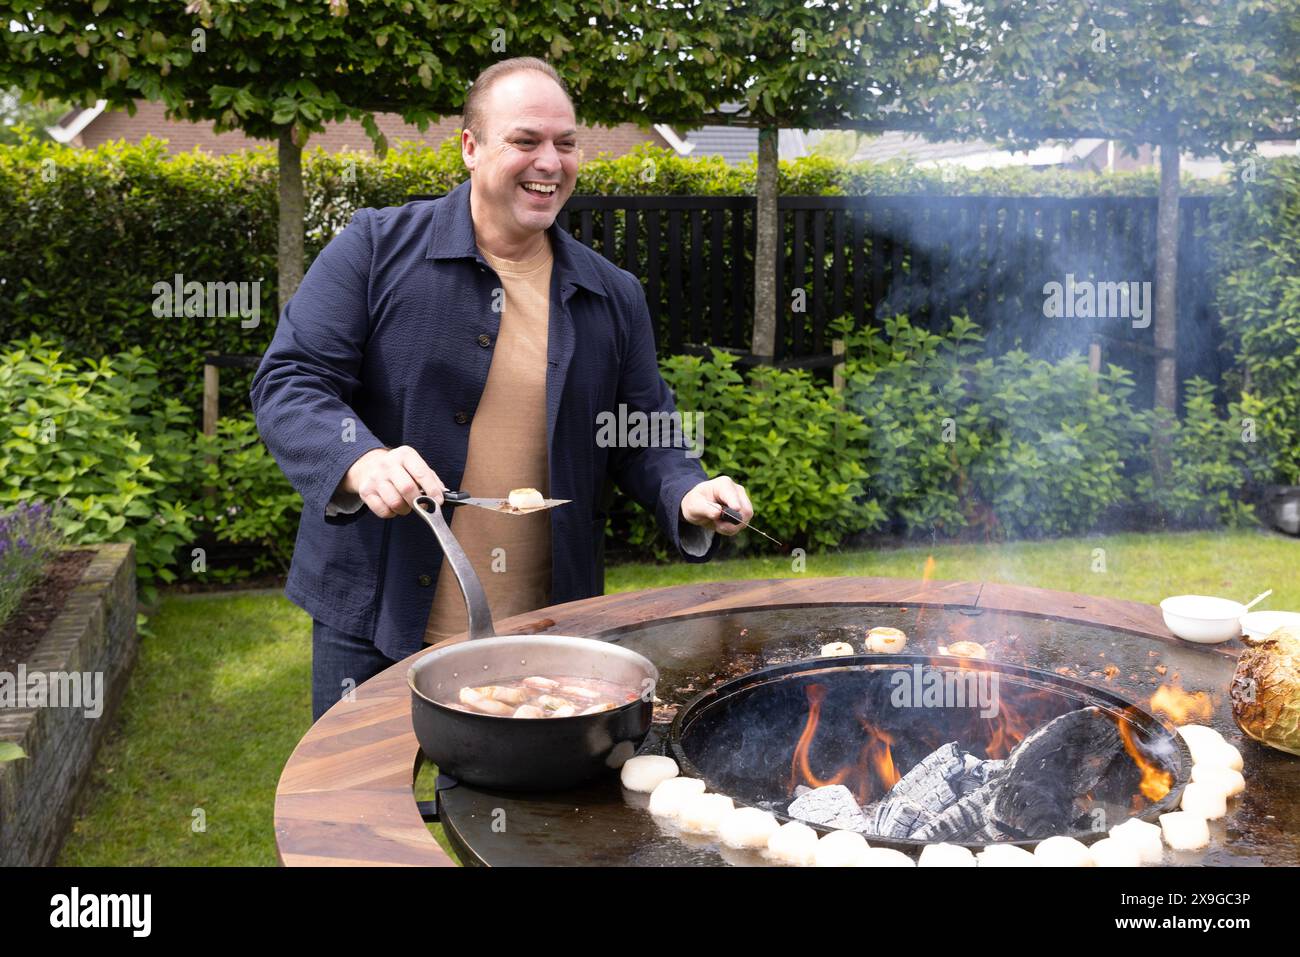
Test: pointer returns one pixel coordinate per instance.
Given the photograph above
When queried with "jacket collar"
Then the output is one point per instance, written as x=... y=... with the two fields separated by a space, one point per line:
x=451 y=236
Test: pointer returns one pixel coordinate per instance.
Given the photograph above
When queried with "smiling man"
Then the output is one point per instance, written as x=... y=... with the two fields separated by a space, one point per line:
x=467 y=343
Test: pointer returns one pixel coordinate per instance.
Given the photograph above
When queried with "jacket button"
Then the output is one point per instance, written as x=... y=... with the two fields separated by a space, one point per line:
x=425 y=581
x=461 y=418
x=485 y=340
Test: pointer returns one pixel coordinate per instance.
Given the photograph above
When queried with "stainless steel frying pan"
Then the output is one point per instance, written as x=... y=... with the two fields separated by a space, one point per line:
x=520 y=753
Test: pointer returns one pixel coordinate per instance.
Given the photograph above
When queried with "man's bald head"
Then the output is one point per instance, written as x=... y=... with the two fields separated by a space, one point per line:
x=476 y=109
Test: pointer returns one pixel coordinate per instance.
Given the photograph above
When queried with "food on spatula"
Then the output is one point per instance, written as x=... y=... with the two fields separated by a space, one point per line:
x=882 y=640
x=525 y=498
x=537 y=696
x=646 y=772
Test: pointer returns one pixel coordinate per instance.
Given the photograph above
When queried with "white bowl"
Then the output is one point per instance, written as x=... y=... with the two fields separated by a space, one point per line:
x=1202 y=619
x=1261 y=624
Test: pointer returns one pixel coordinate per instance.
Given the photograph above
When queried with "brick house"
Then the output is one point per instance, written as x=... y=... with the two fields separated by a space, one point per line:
x=89 y=127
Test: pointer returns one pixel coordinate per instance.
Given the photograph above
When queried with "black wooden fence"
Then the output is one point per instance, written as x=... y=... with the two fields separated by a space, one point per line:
x=930 y=257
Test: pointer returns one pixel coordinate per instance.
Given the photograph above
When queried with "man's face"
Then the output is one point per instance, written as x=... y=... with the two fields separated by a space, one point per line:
x=529 y=135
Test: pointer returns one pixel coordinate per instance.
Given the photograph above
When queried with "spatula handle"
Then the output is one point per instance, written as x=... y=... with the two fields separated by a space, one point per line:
x=731 y=516
x=479 y=614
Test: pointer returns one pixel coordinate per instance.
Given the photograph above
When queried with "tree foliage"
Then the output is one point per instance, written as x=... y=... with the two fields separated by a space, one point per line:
x=1201 y=73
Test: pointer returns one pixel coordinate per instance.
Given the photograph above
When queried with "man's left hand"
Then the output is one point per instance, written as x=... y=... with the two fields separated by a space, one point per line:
x=702 y=505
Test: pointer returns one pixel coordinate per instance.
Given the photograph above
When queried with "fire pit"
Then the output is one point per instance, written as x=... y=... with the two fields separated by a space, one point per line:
x=346 y=794
x=910 y=750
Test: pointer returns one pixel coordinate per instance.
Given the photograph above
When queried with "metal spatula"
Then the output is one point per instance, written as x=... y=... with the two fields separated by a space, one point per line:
x=500 y=504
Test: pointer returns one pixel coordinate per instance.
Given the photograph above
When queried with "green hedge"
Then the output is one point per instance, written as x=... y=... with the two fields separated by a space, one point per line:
x=96 y=435
x=929 y=439
x=89 y=232
x=1011 y=446
x=129 y=466
x=786 y=438
x=1259 y=299
x=923 y=440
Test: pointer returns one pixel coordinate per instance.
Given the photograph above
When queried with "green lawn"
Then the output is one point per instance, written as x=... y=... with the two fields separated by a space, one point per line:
x=1139 y=567
x=221 y=693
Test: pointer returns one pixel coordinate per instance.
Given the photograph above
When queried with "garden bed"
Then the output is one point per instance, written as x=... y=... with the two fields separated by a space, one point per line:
x=40 y=605
x=58 y=700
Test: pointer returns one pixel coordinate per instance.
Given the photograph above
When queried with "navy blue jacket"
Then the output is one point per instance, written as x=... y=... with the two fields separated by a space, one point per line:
x=387 y=342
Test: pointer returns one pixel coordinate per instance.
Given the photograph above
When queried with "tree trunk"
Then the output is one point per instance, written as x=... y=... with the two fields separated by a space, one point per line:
x=1166 y=309
x=1166 y=317
x=765 y=240
x=289 y=254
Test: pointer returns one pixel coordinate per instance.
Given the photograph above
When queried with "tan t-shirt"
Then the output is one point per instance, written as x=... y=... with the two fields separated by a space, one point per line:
x=507 y=450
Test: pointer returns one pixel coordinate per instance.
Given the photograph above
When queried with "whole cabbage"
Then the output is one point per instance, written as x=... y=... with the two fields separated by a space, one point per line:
x=1266 y=690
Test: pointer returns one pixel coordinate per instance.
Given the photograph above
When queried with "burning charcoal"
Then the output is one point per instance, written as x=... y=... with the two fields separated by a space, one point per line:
x=932 y=786
x=896 y=817
x=833 y=805
x=965 y=820
x=930 y=783
x=976 y=773
x=1053 y=766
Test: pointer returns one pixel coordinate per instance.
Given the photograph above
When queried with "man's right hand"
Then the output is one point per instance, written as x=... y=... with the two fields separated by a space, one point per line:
x=389 y=480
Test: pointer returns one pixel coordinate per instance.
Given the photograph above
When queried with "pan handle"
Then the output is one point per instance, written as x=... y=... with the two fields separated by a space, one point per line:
x=480 y=616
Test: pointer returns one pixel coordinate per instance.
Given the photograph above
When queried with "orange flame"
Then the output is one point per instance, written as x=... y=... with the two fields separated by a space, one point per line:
x=926 y=574
x=1156 y=781
x=1008 y=729
x=1181 y=705
x=800 y=770
x=877 y=754
x=875 y=760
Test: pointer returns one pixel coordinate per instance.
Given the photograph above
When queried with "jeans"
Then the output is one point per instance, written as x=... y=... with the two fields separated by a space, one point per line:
x=340 y=663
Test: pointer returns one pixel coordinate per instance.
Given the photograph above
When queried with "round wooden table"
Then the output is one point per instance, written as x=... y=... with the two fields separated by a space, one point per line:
x=346 y=797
